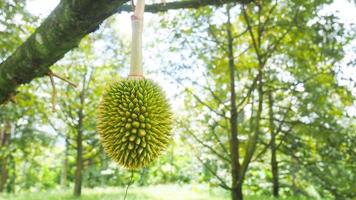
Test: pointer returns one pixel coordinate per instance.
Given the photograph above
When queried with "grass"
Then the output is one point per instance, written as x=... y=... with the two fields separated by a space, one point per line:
x=158 y=192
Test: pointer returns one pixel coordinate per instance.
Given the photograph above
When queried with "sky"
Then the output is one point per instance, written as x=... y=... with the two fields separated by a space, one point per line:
x=344 y=9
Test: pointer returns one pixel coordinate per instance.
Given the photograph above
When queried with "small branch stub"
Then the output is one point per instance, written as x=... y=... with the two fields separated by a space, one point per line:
x=50 y=73
x=54 y=91
x=136 y=69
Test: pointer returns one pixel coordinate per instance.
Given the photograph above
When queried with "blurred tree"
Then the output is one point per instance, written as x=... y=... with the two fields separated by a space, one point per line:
x=255 y=69
x=5 y=144
x=264 y=107
x=56 y=36
x=22 y=141
x=14 y=25
x=75 y=118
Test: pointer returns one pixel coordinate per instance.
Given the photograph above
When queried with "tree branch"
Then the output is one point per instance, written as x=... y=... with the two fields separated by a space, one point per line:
x=213 y=172
x=212 y=128
x=176 y=5
x=205 y=104
x=223 y=157
x=59 y=132
x=62 y=31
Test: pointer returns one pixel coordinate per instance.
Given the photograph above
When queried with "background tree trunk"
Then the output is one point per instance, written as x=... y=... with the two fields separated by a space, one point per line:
x=79 y=139
x=274 y=167
x=79 y=161
x=274 y=162
x=62 y=31
x=65 y=167
x=5 y=142
x=234 y=143
x=11 y=182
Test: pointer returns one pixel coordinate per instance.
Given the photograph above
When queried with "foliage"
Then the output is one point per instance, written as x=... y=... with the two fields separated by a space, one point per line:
x=287 y=54
x=14 y=25
x=294 y=110
x=158 y=192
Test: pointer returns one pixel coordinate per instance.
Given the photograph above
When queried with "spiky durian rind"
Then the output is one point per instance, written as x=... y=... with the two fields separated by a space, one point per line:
x=134 y=122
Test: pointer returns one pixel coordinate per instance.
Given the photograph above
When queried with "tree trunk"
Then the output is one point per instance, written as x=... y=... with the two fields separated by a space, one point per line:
x=237 y=192
x=274 y=166
x=236 y=186
x=65 y=167
x=4 y=174
x=62 y=31
x=5 y=141
x=79 y=166
x=11 y=182
x=79 y=163
x=274 y=162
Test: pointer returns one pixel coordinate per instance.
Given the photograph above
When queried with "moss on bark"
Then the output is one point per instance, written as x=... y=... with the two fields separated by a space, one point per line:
x=62 y=31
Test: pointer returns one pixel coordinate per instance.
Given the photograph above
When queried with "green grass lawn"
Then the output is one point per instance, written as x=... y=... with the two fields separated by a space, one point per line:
x=158 y=192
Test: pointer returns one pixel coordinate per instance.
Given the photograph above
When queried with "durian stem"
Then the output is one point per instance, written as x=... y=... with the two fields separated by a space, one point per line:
x=136 y=69
x=128 y=185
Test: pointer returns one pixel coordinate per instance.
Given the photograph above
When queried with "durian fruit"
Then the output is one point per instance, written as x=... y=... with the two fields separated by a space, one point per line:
x=134 y=122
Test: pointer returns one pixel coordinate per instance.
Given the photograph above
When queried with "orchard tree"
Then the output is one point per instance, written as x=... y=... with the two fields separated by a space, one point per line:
x=22 y=141
x=74 y=103
x=270 y=57
x=62 y=31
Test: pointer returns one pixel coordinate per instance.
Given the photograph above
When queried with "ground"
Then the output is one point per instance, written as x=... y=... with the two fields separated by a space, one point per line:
x=160 y=192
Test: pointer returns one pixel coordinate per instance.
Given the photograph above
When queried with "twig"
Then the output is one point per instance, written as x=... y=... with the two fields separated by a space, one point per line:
x=221 y=180
x=50 y=73
x=207 y=146
x=54 y=92
x=249 y=28
x=205 y=104
x=66 y=137
x=131 y=180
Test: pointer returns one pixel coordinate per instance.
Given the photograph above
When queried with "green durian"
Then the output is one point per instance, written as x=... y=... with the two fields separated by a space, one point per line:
x=134 y=121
